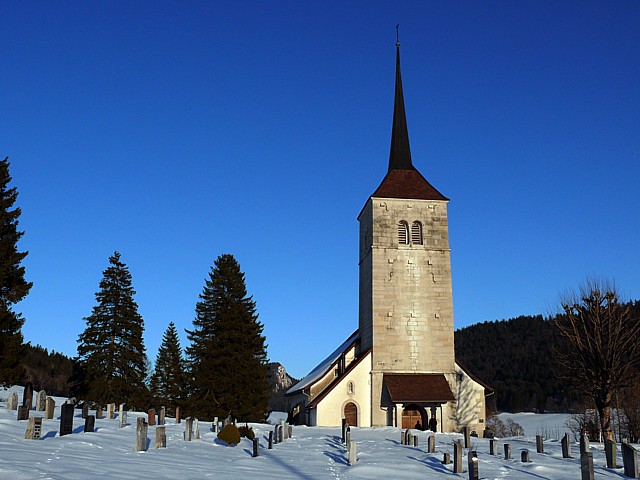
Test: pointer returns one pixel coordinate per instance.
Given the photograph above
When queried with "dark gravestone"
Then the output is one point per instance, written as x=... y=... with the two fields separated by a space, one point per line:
x=66 y=419
x=524 y=456
x=348 y=439
x=629 y=460
x=586 y=466
x=275 y=434
x=466 y=432
x=566 y=446
x=457 y=457
x=610 y=453
x=446 y=460
x=403 y=437
x=98 y=412
x=23 y=412
x=27 y=396
x=280 y=434
x=151 y=417
x=507 y=451
x=270 y=440
x=256 y=444
x=177 y=414
x=343 y=437
x=539 y=444
x=85 y=410
x=472 y=461
x=431 y=444
x=89 y=424
x=493 y=446
x=415 y=440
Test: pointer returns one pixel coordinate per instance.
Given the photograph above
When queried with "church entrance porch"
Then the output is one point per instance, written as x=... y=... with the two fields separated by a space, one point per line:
x=414 y=416
x=351 y=414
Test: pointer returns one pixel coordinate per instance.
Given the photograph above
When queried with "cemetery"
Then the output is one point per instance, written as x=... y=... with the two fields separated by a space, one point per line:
x=74 y=443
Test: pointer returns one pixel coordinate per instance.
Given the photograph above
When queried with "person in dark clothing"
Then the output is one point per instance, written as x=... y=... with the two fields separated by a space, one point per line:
x=433 y=423
x=418 y=425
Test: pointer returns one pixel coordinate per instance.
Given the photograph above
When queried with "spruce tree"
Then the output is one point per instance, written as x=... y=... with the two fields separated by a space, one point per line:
x=111 y=348
x=169 y=380
x=13 y=286
x=227 y=356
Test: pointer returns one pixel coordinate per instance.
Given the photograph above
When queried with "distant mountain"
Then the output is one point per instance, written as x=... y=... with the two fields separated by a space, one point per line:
x=280 y=381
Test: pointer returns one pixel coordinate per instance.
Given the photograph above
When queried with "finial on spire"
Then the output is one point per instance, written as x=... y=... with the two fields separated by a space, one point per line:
x=397 y=37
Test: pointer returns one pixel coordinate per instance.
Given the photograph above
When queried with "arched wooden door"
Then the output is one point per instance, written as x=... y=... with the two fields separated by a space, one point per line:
x=351 y=414
x=413 y=417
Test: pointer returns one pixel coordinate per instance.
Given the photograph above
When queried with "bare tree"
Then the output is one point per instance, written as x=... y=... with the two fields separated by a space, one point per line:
x=600 y=345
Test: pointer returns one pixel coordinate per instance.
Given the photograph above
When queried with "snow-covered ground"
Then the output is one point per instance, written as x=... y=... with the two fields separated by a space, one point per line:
x=312 y=453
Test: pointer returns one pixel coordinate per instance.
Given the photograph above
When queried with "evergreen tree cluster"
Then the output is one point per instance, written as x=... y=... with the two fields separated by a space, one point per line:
x=169 y=380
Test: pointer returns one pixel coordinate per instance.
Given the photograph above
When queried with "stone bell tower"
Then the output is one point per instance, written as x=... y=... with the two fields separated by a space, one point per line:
x=406 y=306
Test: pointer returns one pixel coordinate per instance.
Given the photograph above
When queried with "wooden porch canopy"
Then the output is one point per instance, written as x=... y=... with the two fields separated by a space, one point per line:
x=418 y=388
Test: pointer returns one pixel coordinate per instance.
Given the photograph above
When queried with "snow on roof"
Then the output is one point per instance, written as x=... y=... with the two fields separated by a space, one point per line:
x=318 y=372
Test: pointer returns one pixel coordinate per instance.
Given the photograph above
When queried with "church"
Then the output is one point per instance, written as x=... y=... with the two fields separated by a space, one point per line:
x=399 y=367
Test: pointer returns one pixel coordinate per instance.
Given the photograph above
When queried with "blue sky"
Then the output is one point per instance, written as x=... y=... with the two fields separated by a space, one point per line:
x=174 y=132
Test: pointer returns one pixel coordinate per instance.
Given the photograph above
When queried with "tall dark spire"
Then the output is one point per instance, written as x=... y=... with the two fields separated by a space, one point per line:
x=400 y=156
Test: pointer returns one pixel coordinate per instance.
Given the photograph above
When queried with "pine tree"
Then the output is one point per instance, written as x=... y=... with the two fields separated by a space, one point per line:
x=168 y=382
x=111 y=349
x=13 y=286
x=227 y=356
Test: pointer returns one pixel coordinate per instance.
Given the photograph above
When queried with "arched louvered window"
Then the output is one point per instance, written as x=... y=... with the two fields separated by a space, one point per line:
x=403 y=233
x=416 y=233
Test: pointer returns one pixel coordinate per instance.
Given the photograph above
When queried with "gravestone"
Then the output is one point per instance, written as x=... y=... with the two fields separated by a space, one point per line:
x=457 y=457
x=472 y=461
x=539 y=444
x=431 y=444
x=141 y=435
x=275 y=434
x=27 y=396
x=177 y=415
x=629 y=460
x=151 y=417
x=98 y=412
x=409 y=440
x=270 y=440
x=610 y=453
x=524 y=456
x=280 y=434
x=41 y=400
x=215 y=425
x=584 y=443
x=344 y=430
x=85 y=410
x=111 y=410
x=415 y=440
x=348 y=438
x=123 y=416
x=446 y=460
x=161 y=436
x=66 y=419
x=285 y=427
x=188 y=429
x=23 y=412
x=163 y=412
x=586 y=466
x=34 y=428
x=12 y=401
x=256 y=443
x=403 y=437
x=353 y=457
x=507 y=451
x=290 y=428
x=466 y=433
x=89 y=424
x=49 y=409
x=566 y=446
x=493 y=446
x=196 y=429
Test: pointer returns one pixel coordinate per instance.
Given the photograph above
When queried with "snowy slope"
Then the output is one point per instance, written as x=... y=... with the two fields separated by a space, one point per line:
x=313 y=453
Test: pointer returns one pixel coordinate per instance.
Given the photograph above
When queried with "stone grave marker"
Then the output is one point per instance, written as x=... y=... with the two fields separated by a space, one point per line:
x=507 y=451
x=275 y=434
x=123 y=415
x=256 y=443
x=524 y=456
x=586 y=466
x=66 y=419
x=161 y=415
x=41 y=400
x=89 y=424
x=141 y=435
x=34 y=428
x=610 y=453
x=196 y=429
x=188 y=429
x=409 y=438
x=49 y=408
x=493 y=446
x=457 y=457
x=290 y=429
x=566 y=446
x=415 y=440
x=23 y=412
x=584 y=443
x=27 y=396
x=85 y=410
x=161 y=436
x=285 y=428
x=431 y=444
x=446 y=460
x=348 y=438
x=472 y=461
x=98 y=412
x=151 y=417
x=215 y=425
x=111 y=410
x=344 y=430
x=629 y=460
x=539 y=444
x=466 y=433
x=12 y=401
x=177 y=415
x=270 y=439
x=353 y=456
x=403 y=437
